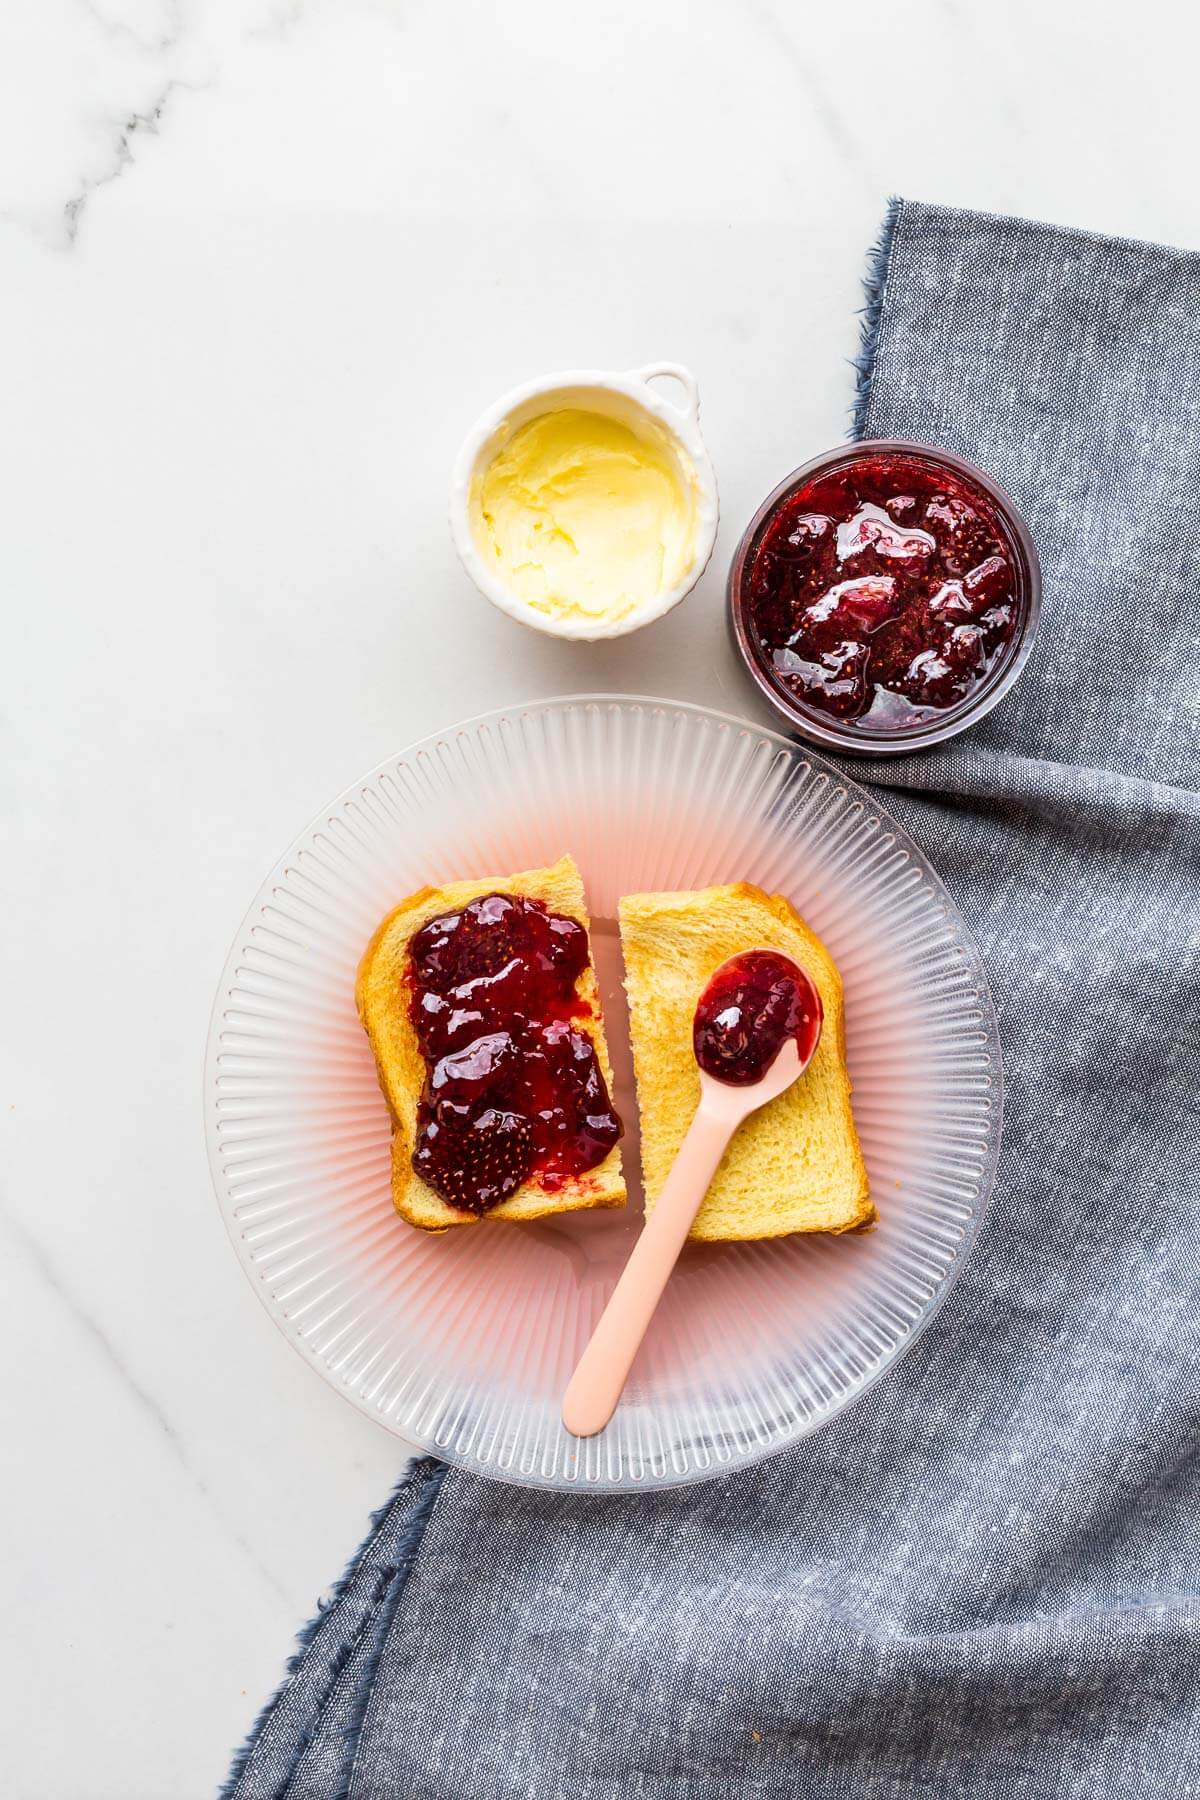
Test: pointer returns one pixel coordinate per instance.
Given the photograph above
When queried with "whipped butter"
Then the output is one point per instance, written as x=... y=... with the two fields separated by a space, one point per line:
x=581 y=517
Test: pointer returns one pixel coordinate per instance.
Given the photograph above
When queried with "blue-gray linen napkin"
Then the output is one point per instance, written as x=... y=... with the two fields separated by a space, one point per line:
x=984 y=1578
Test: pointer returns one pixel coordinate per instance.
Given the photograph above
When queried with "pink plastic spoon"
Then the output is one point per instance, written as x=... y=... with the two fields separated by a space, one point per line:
x=757 y=1026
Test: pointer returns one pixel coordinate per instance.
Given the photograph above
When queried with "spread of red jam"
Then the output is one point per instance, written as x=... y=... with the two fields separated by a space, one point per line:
x=513 y=1088
x=883 y=591
x=751 y=1005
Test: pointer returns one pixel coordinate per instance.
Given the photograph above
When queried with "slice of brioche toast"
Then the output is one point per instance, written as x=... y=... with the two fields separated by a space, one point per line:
x=795 y=1165
x=382 y=996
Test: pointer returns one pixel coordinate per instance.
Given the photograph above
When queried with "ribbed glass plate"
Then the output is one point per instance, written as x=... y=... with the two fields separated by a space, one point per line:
x=463 y=1343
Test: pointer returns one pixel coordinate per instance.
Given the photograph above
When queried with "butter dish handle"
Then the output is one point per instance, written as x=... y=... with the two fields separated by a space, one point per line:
x=670 y=371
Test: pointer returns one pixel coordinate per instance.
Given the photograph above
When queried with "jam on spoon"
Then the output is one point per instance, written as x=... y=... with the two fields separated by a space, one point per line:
x=883 y=592
x=513 y=1089
x=751 y=1005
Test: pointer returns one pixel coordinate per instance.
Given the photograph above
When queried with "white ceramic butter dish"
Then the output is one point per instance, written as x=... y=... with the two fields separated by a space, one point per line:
x=632 y=412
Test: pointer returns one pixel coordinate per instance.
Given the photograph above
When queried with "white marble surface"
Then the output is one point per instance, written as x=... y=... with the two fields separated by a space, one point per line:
x=261 y=262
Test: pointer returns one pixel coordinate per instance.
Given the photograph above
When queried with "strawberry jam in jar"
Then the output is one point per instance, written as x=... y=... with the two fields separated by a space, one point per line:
x=885 y=596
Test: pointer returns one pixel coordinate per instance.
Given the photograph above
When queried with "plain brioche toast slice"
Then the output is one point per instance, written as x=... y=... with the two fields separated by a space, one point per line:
x=382 y=994
x=795 y=1165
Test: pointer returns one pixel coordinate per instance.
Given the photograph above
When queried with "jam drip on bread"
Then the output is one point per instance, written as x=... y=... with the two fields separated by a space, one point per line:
x=513 y=1088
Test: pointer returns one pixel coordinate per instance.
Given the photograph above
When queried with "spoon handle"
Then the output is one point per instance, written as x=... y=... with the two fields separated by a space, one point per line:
x=596 y=1385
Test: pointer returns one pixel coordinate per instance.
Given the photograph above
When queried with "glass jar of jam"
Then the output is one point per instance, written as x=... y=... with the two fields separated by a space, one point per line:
x=885 y=597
